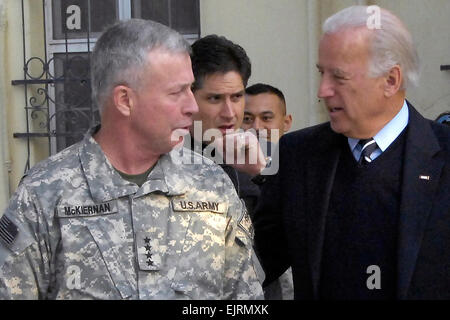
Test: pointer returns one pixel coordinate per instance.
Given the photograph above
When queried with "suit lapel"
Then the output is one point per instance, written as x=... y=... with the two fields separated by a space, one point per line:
x=421 y=173
x=320 y=175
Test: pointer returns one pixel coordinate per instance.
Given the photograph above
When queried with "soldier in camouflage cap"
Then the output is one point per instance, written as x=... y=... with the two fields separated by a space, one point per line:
x=118 y=215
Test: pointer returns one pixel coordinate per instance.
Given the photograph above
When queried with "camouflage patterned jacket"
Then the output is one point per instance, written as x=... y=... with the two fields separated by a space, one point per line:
x=75 y=229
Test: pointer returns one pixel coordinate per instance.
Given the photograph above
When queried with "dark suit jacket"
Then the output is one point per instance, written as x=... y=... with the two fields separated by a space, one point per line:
x=291 y=215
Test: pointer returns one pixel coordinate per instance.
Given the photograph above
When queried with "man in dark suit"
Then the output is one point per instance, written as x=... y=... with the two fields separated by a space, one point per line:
x=221 y=69
x=360 y=205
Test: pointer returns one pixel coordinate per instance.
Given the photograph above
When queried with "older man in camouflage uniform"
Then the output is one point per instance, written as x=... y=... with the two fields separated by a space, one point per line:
x=117 y=215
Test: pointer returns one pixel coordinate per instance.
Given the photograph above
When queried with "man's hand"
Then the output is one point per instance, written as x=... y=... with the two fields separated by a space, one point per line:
x=242 y=151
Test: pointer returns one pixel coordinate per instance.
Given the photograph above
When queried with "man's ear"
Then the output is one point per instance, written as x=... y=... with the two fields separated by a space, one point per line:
x=123 y=99
x=393 y=81
x=287 y=122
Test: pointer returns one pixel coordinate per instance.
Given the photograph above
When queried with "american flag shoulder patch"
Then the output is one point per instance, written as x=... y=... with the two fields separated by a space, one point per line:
x=8 y=230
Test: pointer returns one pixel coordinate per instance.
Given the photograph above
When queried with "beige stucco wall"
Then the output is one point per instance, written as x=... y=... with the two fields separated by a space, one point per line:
x=274 y=35
x=429 y=23
x=14 y=153
x=280 y=37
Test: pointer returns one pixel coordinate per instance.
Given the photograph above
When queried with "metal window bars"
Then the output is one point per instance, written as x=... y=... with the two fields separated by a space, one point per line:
x=56 y=86
x=60 y=107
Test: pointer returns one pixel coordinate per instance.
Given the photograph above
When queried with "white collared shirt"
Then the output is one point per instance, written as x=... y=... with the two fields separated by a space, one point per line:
x=385 y=136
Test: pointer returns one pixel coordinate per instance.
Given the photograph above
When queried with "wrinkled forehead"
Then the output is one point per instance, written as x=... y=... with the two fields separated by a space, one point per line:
x=348 y=46
x=347 y=38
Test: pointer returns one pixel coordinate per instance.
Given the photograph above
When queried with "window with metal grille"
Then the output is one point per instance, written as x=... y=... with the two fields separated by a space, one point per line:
x=61 y=78
x=75 y=25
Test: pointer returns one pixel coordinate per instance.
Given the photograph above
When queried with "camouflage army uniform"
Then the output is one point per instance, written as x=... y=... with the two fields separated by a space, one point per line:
x=76 y=230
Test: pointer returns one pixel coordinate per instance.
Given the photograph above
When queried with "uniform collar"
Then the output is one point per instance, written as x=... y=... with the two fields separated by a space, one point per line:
x=167 y=176
x=106 y=184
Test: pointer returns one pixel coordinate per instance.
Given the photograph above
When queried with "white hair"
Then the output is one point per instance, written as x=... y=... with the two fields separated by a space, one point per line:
x=390 y=43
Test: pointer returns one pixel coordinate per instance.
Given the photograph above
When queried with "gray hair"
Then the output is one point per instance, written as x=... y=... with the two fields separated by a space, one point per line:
x=121 y=53
x=390 y=43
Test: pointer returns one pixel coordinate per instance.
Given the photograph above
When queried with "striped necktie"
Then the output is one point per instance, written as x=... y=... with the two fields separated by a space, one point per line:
x=368 y=146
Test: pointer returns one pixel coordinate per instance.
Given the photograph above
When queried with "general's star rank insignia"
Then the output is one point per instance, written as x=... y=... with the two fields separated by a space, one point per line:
x=148 y=252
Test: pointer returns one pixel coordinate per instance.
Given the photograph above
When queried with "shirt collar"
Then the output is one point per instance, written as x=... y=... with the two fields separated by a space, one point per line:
x=106 y=184
x=390 y=131
x=167 y=176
